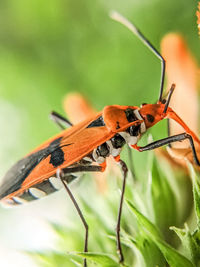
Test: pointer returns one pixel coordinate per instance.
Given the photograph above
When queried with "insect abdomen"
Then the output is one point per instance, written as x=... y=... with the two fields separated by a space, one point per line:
x=40 y=190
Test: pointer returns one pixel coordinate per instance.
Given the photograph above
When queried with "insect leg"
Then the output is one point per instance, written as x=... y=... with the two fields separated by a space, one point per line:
x=169 y=140
x=60 y=120
x=124 y=170
x=61 y=174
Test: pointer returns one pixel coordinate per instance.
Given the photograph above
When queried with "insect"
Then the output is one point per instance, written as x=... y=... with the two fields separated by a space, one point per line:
x=85 y=146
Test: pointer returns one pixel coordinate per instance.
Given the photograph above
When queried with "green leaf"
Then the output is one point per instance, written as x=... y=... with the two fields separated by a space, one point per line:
x=189 y=242
x=144 y=248
x=149 y=226
x=77 y=263
x=174 y=258
x=100 y=258
x=196 y=193
x=52 y=259
x=163 y=200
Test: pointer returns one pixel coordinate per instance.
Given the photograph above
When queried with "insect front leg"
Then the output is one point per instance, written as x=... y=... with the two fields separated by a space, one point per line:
x=118 y=227
x=61 y=175
x=60 y=120
x=169 y=140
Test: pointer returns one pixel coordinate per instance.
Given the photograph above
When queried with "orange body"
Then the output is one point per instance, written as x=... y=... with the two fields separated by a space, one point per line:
x=80 y=140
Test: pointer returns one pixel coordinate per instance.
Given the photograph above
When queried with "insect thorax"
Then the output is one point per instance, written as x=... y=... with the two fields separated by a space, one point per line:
x=130 y=136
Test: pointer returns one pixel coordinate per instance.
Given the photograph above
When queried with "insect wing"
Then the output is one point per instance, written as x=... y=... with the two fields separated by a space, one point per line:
x=61 y=151
x=68 y=132
x=71 y=150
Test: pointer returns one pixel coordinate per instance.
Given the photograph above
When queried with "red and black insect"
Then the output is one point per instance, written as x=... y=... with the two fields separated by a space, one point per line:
x=84 y=147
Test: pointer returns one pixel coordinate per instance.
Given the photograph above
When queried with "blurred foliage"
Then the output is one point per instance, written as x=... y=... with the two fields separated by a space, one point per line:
x=48 y=48
x=143 y=232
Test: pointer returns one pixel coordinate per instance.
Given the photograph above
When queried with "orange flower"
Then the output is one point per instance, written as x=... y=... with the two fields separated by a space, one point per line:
x=77 y=108
x=181 y=69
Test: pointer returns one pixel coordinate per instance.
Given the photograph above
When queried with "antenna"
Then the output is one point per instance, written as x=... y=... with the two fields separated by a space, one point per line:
x=169 y=97
x=118 y=17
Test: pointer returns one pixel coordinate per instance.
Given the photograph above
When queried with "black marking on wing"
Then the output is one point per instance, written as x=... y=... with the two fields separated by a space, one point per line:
x=14 y=178
x=118 y=126
x=54 y=144
x=57 y=157
x=97 y=123
x=17 y=174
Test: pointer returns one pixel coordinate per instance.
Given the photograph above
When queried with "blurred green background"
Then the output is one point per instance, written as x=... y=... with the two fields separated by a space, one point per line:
x=49 y=48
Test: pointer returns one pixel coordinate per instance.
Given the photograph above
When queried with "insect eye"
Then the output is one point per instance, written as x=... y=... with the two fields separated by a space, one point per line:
x=150 y=118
